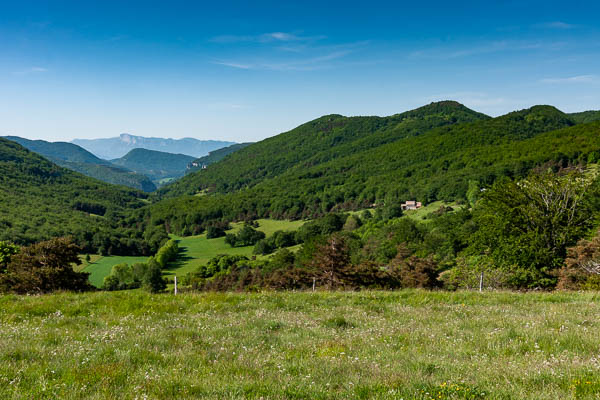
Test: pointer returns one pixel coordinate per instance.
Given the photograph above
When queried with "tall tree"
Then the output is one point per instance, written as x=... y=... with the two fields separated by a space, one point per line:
x=331 y=260
x=526 y=226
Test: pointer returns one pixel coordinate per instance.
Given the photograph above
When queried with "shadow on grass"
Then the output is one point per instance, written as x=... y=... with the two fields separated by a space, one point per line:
x=182 y=259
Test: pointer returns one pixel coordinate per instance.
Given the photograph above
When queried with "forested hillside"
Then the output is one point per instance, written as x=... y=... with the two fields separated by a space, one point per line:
x=58 y=150
x=438 y=164
x=316 y=142
x=41 y=200
x=215 y=156
x=585 y=116
x=156 y=165
x=75 y=158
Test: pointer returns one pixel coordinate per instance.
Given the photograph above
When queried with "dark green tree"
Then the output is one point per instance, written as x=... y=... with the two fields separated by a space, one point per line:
x=153 y=280
x=45 y=267
x=526 y=226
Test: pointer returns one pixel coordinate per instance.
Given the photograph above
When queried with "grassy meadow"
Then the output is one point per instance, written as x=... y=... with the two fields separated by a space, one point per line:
x=421 y=213
x=337 y=345
x=99 y=266
x=195 y=251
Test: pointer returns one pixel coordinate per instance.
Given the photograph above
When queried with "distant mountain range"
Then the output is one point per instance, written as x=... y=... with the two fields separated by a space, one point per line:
x=117 y=147
x=75 y=158
x=138 y=167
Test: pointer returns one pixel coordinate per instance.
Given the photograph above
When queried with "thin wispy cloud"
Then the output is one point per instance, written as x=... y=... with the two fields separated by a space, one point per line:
x=555 y=25
x=573 y=79
x=31 y=70
x=445 y=53
x=233 y=64
x=303 y=57
x=265 y=38
x=298 y=64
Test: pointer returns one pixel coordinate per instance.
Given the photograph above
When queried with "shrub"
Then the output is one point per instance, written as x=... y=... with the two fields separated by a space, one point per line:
x=214 y=232
x=582 y=266
x=247 y=236
x=263 y=247
x=415 y=272
x=45 y=267
x=167 y=253
x=7 y=250
x=153 y=280
x=467 y=272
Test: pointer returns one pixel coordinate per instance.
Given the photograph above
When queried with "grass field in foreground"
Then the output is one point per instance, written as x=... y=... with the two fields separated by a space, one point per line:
x=361 y=345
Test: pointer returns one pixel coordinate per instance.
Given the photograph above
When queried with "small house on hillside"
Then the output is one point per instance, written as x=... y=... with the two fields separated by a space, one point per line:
x=411 y=205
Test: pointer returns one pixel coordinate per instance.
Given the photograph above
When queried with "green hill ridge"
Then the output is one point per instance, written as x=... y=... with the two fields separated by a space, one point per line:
x=315 y=142
x=41 y=200
x=75 y=158
x=376 y=162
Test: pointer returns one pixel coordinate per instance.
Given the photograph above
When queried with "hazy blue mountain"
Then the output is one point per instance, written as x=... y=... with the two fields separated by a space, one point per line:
x=117 y=147
x=73 y=157
x=157 y=165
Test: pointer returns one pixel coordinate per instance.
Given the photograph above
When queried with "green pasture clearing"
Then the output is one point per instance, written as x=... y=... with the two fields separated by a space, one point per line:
x=418 y=215
x=84 y=264
x=197 y=250
x=299 y=345
x=270 y=226
x=163 y=181
x=103 y=265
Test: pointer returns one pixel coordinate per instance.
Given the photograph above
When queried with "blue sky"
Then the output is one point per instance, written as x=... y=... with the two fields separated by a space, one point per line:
x=243 y=72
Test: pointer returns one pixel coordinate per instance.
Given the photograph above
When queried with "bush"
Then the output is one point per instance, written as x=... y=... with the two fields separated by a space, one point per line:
x=582 y=266
x=45 y=267
x=263 y=247
x=153 y=280
x=111 y=283
x=7 y=250
x=247 y=236
x=467 y=272
x=219 y=264
x=415 y=272
x=214 y=232
x=167 y=253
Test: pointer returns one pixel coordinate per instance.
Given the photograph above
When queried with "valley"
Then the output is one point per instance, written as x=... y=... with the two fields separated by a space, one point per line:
x=299 y=200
